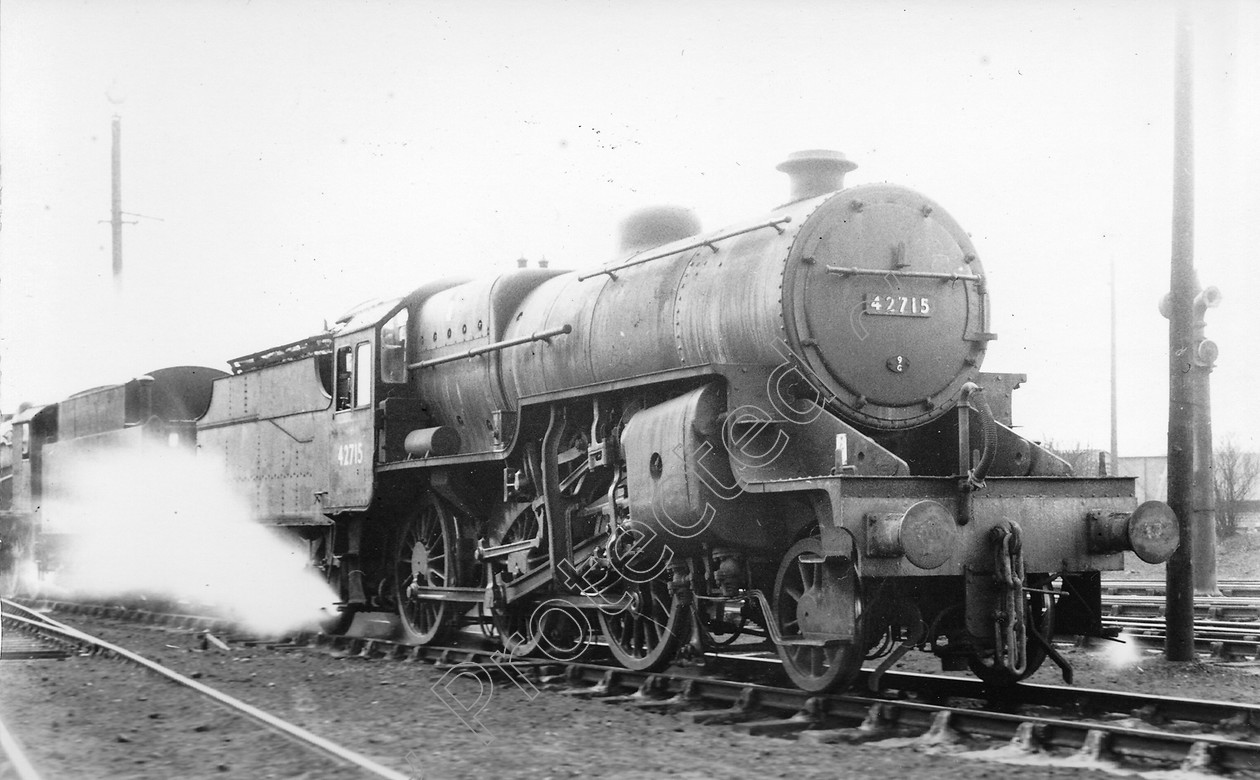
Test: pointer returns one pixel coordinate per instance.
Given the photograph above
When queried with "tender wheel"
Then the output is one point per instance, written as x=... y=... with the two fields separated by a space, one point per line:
x=14 y=557
x=815 y=598
x=645 y=633
x=1039 y=614
x=8 y=575
x=337 y=621
x=10 y=556
x=337 y=618
x=425 y=557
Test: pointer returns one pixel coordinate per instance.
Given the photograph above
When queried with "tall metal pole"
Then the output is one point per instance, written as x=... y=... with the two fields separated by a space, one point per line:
x=1 y=330
x=1179 y=633
x=1204 y=518
x=115 y=219
x=1114 y=469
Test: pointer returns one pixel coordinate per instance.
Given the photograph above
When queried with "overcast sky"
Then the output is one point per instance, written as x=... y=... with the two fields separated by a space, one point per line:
x=292 y=159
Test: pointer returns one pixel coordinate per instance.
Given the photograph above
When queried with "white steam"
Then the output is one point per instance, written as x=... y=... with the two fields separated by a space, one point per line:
x=1123 y=653
x=165 y=524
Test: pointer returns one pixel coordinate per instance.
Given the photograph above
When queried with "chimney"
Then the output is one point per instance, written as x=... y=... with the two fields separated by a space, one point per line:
x=815 y=172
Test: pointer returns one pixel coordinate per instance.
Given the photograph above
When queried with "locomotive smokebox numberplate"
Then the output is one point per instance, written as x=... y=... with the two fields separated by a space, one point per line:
x=898 y=305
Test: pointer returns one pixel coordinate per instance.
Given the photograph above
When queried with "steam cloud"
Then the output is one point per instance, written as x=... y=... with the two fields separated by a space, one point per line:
x=1124 y=653
x=164 y=524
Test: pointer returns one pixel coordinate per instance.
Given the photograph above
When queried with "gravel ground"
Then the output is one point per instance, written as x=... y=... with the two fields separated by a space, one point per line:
x=96 y=718
x=91 y=717
x=1125 y=667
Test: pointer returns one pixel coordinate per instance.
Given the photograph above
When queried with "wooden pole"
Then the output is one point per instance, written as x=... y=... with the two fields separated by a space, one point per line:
x=1179 y=593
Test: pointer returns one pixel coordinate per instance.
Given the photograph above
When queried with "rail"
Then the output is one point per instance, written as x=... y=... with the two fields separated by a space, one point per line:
x=18 y=762
x=45 y=624
x=1246 y=589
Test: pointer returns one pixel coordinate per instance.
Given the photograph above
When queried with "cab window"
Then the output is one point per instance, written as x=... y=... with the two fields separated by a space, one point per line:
x=345 y=374
x=363 y=374
x=394 y=349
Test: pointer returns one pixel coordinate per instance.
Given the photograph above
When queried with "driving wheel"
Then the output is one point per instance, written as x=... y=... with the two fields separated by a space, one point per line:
x=645 y=626
x=425 y=556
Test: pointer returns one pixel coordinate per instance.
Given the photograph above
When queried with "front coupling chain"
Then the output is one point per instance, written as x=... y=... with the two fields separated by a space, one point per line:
x=1010 y=628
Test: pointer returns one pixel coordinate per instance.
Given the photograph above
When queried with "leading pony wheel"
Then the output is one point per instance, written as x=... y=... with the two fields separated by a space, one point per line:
x=817 y=598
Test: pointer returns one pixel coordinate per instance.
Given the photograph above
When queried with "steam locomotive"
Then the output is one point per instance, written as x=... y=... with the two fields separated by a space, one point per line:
x=777 y=430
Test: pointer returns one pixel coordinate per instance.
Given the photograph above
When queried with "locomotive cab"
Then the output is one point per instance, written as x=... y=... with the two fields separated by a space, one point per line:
x=358 y=383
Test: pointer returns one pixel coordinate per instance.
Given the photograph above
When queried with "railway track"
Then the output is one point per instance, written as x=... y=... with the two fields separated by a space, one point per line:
x=16 y=616
x=1089 y=724
x=1034 y=721
x=1205 y=607
x=1225 y=640
x=1244 y=589
x=20 y=646
x=1228 y=641
x=1226 y=626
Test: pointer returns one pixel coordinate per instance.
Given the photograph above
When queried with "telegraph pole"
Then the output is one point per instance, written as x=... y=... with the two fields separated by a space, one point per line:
x=1179 y=590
